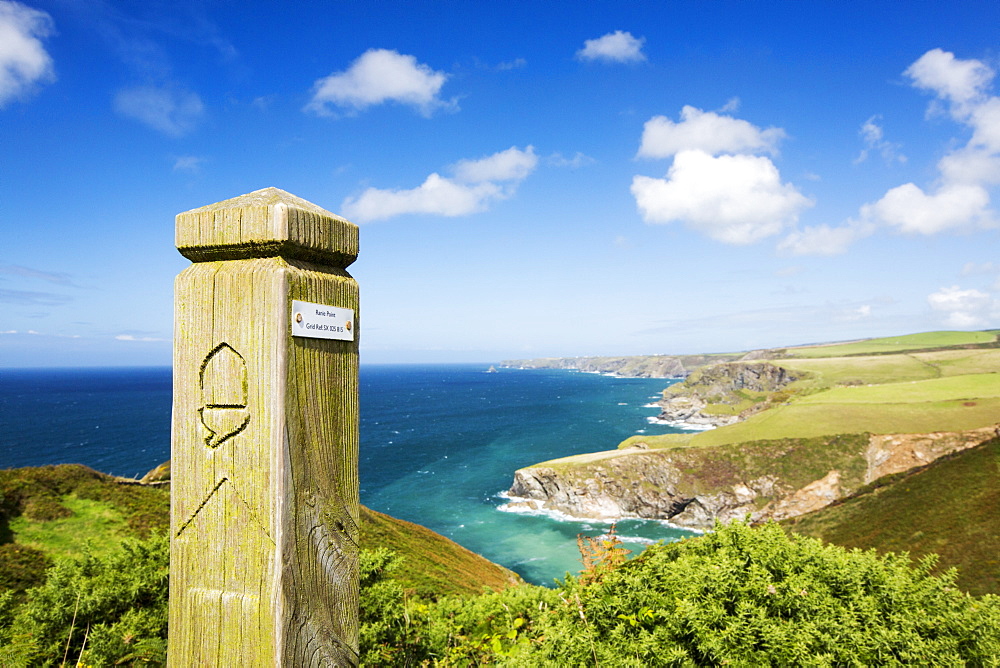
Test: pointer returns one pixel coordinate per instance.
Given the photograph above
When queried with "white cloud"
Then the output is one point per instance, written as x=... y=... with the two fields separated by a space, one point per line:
x=615 y=47
x=27 y=272
x=909 y=209
x=959 y=200
x=970 y=165
x=24 y=62
x=510 y=165
x=874 y=138
x=32 y=298
x=824 y=239
x=436 y=195
x=515 y=64
x=143 y=339
x=188 y=163
x=705 y=131
x=731 y=105
x=964 y=309
x=379 y=76
x=985 y=121
x=578 y=160
x=973 y=268
x=959 y=81
x=863 y=312
x=476 y=185
x=737 y=199
x=172 y=111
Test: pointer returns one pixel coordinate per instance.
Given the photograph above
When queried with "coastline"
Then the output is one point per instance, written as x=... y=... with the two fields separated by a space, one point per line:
x=521 y=505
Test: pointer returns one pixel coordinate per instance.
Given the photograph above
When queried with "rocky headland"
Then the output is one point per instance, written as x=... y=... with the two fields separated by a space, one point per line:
x=692 y=487
x=723 y=394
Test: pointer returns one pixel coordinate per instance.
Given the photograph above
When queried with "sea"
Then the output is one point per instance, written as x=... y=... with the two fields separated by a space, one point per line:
x=439 y=443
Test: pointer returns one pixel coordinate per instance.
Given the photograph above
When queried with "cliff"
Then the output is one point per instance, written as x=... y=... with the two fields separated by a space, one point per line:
x=723 y=394
x=692 y=487
x=949 y=508
x=638 y=366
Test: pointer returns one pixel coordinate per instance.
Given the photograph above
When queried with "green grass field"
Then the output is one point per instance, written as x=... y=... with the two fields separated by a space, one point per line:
x=953 y=403
x=817 y=419
x=97 y=524
x=832 y=371
x=944 y=391
x=658 y=440
x=879 y=369
x=895 y=344
x=971 y=386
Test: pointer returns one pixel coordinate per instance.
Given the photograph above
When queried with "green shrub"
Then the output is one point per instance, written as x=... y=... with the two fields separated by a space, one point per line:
x=738 y=596
x=101 y=611
x=741 y=595
x=385 y=637
x=21 y=567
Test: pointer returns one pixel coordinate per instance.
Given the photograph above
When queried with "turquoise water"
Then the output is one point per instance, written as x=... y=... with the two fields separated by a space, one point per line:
x=438 y=443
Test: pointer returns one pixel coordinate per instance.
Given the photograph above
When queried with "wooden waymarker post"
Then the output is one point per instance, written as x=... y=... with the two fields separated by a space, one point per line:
x=264 y=499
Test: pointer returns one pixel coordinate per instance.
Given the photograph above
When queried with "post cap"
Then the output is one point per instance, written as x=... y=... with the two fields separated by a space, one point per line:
x=266 y=223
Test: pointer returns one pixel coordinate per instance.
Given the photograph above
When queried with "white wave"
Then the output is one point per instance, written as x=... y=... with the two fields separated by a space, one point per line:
x=633 y=539
x=585 y=522
x=680 y=424
x=651 y=406
x=527 y=509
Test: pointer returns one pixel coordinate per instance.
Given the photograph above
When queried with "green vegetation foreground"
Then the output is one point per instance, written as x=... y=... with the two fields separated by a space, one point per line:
x=740 y=595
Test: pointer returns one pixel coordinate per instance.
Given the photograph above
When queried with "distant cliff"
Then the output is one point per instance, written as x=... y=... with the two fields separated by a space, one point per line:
x=637 y=366
x=722 y=394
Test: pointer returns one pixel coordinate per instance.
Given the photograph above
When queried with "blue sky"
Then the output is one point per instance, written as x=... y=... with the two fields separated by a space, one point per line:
x=530 y=178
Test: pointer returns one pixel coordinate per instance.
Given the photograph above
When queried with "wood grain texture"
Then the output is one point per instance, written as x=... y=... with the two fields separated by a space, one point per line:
x=264 y=508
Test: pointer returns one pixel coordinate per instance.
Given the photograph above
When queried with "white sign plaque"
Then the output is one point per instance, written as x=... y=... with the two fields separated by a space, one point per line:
x=319 y=321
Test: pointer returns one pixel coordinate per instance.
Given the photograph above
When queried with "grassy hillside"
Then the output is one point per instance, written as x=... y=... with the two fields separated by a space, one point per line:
x=950 y=507
x=945 y=390
x=895 y=368
x=51 y=511
x=55 y=510
x=433 y=565
x=897 y=344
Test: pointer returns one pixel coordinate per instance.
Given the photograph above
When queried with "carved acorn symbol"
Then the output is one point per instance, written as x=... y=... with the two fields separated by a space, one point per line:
x=224 y=395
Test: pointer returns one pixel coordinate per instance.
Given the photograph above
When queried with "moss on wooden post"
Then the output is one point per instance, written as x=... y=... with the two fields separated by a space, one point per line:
x=264 y=500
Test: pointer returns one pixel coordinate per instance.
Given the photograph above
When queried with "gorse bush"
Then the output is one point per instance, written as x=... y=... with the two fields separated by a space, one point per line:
x=385 y=637
x=756 y=596
x=104 y=611
x=738 y=596
x=742 y=596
